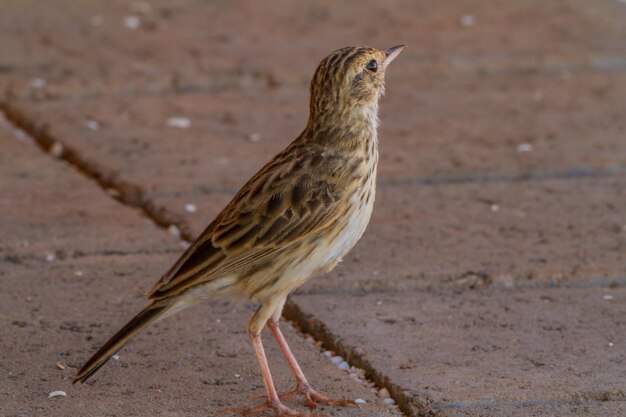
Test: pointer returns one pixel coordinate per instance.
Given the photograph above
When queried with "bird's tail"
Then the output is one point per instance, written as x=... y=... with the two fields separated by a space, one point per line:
x=142 y=320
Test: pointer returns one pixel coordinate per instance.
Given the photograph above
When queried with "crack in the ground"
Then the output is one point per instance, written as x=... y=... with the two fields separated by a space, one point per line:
x=408 y=403
x=127 y=193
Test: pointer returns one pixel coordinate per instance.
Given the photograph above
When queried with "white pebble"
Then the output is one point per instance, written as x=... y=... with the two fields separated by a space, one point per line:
x=389 y=401
x=359 y=401
x=467 y=20
x=132 y=22
x=174 y=230
x=607 y=297
x=179 y=122
x=115 y=357
x=379 y=302
x=92 y=125
x=524 y=147
x=57 y=394
x=494 y=207
x=190 y=208
x=344 y=365
x=78 y=273
x=50 y=257
x=96 y=20
x=328 y=353
x=610 y=344
x=336 y=360
x=20 y=134
x=56 y=149
x=38 y=83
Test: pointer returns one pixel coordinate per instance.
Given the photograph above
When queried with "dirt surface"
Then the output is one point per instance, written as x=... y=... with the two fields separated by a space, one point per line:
x=489 y=283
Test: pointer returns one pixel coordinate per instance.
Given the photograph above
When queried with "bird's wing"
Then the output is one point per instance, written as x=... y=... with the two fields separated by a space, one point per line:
x=293 y=196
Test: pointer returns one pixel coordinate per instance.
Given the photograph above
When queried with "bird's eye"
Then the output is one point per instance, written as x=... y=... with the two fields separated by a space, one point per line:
x=372 y=65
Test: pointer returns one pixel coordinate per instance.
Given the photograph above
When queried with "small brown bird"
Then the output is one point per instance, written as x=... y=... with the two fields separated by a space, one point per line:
x=297 y=217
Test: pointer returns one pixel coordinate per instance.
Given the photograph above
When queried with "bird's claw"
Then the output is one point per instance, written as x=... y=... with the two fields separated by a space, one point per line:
x=313 y=397
x=279 y=408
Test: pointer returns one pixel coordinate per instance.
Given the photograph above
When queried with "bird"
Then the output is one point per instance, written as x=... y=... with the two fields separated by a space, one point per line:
x=294 y=219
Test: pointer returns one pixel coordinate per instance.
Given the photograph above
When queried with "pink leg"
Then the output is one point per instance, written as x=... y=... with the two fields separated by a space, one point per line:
x=303 y=386
x=274 y=401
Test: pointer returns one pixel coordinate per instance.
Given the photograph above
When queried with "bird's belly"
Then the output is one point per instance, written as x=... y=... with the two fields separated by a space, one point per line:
x=351 y=230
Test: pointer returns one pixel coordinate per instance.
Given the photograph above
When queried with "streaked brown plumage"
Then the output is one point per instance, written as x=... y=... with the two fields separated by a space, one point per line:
x=297 y=217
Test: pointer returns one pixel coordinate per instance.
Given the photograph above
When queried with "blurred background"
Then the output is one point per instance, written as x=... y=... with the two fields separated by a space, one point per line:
x=491 y=279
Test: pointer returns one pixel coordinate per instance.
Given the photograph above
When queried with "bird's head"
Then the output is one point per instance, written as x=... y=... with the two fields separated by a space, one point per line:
x=349 y=82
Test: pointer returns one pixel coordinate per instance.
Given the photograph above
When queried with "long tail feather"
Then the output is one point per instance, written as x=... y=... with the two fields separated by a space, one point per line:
x=137 y=324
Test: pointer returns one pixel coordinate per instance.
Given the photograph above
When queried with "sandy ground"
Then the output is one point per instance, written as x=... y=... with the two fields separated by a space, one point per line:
x=489 y=283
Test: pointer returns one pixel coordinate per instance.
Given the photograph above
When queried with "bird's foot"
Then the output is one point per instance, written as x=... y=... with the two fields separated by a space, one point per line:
x=313 y=397
x=279 y=408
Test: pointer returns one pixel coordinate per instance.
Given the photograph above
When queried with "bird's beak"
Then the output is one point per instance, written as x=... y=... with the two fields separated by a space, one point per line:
x=392 y=54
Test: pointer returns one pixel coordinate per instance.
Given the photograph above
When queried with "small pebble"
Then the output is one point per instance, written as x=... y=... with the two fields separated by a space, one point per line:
x=56 y=150
x=607 y=297
x=113 y=192
x=389 y=401
x=254 y=137
x=524 y=147
x=20 y=134
x=174 y=230
x=92 y=125
x=57 y=394
x=60 y=366
x=190 y=208
x=359 y=401
x=379 y=303
x=50 y=257
x=494 y=207
x=610 y=344
x=141 y=7
x=132 y=22
x=38 y=83
x=467 y=20
x=336 y=360
x=115 y=357
x=78 y=273
x=179 y=122
x=344 y=365
x=328 y=353
x=383 y=393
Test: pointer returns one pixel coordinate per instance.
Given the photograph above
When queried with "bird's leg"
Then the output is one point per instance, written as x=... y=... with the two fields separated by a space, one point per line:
x=303 y=387
x=254 y=330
